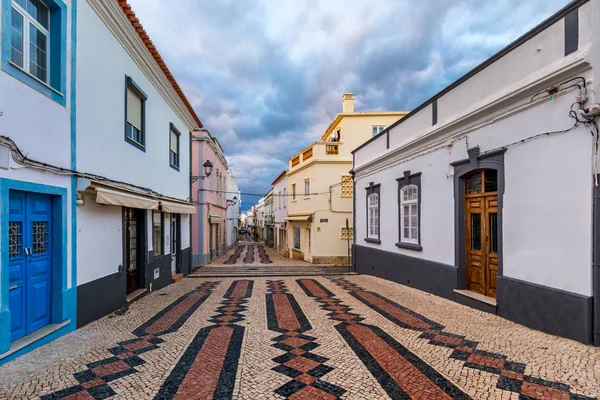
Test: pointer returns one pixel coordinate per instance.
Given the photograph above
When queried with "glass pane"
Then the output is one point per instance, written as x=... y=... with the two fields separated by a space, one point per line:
x=475 y=231
x=16 y=51
x=15 y=239
x=22 y=3
x=493 y=232
x=414 y=234
x=37 y=48
x=174 y=142
x=39 y=237
x=473 y=183
x=38 y=11
x=491 y=180
x=406 y=230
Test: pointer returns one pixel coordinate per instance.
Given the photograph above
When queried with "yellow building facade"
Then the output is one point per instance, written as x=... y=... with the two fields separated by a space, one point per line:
x=320 y=187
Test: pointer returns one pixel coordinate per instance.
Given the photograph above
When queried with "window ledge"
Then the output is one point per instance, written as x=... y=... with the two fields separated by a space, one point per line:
x=135 y=144
x=35 y=78
x=294 y=201
x=307 y=198
x=410 y=246
x=175 y=167
x=370 y=240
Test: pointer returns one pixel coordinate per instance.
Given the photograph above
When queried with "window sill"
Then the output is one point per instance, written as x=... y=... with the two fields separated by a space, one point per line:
x=307 y=198
x=135 y=144
x=294 y=201
x=36 y=79
x=370 y=240
x=175 y=167
x=410 y=246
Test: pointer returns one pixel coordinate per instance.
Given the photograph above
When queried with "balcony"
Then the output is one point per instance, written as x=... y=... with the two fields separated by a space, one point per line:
x=318 y=151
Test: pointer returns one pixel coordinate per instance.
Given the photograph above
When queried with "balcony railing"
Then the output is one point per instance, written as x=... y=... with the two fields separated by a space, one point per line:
x=332 y=149
x=316 y=150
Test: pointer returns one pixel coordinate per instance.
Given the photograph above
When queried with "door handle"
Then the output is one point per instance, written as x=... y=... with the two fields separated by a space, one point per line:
x=26 y=250
x=12 y=287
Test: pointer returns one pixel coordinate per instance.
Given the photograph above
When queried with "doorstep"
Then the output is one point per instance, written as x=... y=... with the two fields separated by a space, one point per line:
x=176 y=278
x=33 y=337
x=134 y=295
x=476 y=300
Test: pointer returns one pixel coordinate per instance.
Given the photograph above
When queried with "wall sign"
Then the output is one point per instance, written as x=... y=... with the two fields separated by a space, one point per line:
x=156 y=273
x=324 y=220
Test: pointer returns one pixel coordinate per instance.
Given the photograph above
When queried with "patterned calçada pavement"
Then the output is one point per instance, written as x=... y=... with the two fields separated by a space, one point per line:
x=344 y=337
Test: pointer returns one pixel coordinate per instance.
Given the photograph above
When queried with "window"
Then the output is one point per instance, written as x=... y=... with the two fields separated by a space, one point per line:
x=210 y=181
x=174 y=147
x=34 y=42
x=135 y=103
x=377 y=130
x=284 y=197
x=347 y=233
x=293 y=191
x=409 y=214
x=373 y=217
x=409 y=193
x=296 y=238
x=347 y=186
x=157 y=232
x=307 y=187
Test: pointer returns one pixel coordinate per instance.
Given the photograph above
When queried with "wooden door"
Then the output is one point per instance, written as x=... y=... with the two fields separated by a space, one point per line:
x=132 y=253
x=481 y=223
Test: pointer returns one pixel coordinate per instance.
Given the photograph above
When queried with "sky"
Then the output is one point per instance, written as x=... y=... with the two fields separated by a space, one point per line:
x=266 y=76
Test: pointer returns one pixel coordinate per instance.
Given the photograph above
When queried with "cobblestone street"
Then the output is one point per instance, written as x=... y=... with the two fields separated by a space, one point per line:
x=313 y=337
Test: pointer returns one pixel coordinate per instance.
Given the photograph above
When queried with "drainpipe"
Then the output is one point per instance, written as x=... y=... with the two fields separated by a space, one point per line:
x=596 y=268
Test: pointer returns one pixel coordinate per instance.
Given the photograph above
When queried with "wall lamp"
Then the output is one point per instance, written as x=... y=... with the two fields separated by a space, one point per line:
x=208 y=167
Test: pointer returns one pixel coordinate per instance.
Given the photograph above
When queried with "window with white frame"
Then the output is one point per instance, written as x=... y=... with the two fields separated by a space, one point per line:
x=307 y=187
x=284 y=198
x=409 y=196
x=30 y=33
x=377 y=129
x=409 y=208
x=373 y=219
x=293 y=191
x=174 y=147
x=296 y=238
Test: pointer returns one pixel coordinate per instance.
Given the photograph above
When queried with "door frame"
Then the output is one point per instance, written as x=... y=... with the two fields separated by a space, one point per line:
x=492 y=160
x=142 y=217
x=63 y=304
x=177 y=237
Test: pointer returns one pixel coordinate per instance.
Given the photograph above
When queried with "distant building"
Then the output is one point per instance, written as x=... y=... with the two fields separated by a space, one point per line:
x=319 y=186
x=259 y=216
x=269 y=219
x=234 y=205
x=208 y=192
x=488 y=194
x=280 y=206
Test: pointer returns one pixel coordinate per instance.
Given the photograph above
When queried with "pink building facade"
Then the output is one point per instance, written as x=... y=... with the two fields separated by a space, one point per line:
x=209 y=195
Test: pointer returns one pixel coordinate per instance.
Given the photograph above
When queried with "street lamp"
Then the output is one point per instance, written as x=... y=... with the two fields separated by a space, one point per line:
x=208 y=167
x=232 y=202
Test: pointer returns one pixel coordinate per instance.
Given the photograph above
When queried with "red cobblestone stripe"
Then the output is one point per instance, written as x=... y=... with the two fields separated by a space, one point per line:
x=512 y=377
x=94 y=380
x=285 y=316
x=400 y=373
x=208 y=367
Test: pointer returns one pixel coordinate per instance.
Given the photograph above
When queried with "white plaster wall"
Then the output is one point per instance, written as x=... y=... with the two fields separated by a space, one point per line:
x=281 y=209
x=375 y=148
x=99 y=242
x=101 y=69
x=547 y=200
x=411 y=126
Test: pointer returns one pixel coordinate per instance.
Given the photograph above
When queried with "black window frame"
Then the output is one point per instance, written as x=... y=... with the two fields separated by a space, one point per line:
x=130 y=84
x=409 y=180
x=374 y=189
x=173 y=129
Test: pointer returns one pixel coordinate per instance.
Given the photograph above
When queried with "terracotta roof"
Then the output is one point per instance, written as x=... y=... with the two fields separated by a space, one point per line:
x=135 y=22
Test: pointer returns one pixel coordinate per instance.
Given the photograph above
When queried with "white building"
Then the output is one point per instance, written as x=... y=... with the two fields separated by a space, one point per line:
x=133 y=134
x=259 y=219
x=37 y=202
x=485 y=193
x=280 y=206
x=234 y=205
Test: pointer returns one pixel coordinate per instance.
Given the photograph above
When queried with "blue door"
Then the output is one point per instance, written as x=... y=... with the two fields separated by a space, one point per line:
x=30 y=261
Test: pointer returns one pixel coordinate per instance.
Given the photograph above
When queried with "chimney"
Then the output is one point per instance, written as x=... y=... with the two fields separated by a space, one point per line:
x=348 y=103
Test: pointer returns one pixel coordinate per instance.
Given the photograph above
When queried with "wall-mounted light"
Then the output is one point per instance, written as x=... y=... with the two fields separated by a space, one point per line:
x=80 y=199
x=208 y=167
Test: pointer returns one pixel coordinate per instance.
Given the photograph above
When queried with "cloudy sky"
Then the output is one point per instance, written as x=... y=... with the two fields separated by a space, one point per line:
x=266 y=76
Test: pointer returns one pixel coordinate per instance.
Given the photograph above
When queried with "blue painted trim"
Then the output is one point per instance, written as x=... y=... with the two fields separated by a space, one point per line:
x=73 y=106
x=63 y=299
x=58 y=52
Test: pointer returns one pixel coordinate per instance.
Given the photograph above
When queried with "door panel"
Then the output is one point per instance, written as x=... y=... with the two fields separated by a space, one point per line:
x=132 y=253
x=491 y=245
x=474 y=238
x=30 y=262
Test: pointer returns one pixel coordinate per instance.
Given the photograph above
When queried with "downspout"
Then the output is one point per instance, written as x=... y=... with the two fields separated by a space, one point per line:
x=191 y=199
x=596 y=267
x=200 y=203
x=353 y=213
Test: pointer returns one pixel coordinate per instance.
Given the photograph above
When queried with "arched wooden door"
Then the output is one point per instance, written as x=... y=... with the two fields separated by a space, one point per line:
x=481 y=220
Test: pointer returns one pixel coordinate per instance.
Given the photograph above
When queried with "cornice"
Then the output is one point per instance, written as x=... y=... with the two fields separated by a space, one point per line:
x=314 y=162
x=111 y=13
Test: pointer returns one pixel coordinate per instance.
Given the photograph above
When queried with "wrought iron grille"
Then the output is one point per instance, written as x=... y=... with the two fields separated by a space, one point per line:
x=40 y=237
x=15 y=239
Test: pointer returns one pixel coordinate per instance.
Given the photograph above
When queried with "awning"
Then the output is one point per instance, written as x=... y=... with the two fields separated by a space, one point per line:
x=118 y=198
x=299 y=218
x=214 y=219
x=177 y=208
